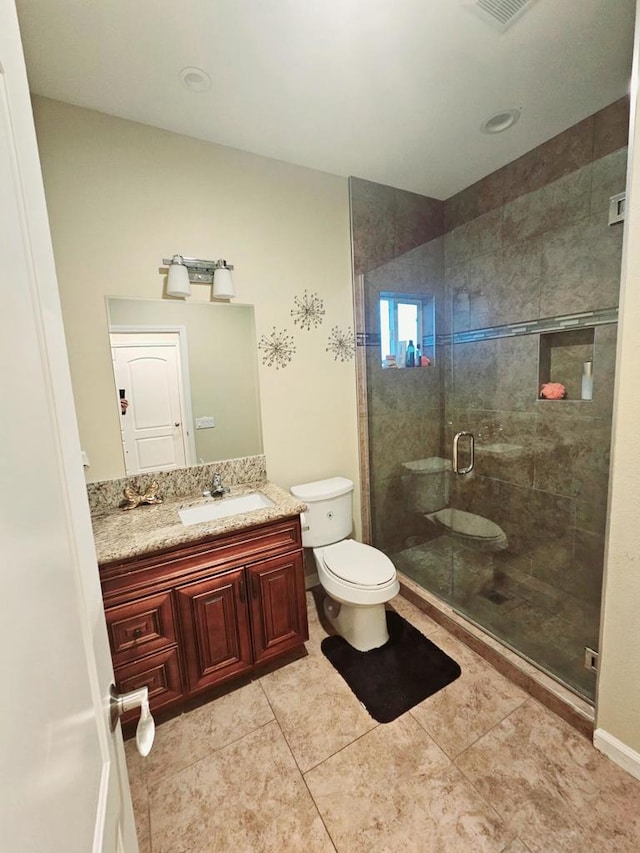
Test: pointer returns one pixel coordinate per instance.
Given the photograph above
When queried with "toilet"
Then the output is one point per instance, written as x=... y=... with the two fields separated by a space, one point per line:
x=427 y=483
x=358 y=579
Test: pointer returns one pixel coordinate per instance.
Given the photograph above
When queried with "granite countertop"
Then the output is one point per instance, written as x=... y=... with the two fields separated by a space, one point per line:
x=123 y=534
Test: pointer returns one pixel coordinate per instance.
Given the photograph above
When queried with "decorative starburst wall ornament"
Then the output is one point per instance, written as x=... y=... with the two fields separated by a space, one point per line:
x=342 y=344
x=277 y=349
x=308 y=310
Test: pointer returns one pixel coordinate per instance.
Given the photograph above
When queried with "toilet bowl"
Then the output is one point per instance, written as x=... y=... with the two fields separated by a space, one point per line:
x=475 y=531
x=358 y=579
x=427 y=483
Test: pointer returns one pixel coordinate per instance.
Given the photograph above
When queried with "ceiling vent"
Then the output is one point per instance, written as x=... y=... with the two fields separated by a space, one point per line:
x=501 y=14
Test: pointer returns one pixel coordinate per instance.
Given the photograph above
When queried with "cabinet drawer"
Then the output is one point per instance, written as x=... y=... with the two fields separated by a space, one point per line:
x=159 y=672
x=141 y=626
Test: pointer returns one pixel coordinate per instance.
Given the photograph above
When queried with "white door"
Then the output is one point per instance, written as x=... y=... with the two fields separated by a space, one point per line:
x=63 y=783
x=147 y=372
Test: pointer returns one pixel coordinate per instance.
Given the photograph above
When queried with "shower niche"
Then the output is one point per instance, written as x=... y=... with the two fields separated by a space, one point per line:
x=566 y=358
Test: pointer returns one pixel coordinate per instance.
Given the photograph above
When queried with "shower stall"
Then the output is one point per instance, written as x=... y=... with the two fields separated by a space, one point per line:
x=482 y=491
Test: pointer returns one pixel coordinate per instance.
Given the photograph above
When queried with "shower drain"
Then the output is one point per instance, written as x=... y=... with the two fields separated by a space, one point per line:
x=496 y=597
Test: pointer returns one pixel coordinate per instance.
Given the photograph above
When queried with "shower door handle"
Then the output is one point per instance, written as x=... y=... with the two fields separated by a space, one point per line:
x=472 y=445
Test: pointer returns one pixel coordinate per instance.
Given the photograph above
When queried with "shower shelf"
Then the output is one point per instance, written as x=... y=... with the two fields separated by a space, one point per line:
x=561 y=359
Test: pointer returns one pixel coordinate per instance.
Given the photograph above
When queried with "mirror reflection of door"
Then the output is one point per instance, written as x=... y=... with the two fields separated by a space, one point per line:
x=155 y=429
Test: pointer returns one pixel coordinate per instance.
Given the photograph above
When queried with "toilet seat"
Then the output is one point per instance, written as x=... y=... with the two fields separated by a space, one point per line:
x=358 y=565
x=469 y=526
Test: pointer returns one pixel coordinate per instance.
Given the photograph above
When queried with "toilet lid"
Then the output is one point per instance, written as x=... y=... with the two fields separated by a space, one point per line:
x=358 y=564
x=468 y=524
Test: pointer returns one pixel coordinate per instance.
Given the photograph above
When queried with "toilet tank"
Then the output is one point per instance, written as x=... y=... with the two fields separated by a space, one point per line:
x=426 y=482
x=328 y=517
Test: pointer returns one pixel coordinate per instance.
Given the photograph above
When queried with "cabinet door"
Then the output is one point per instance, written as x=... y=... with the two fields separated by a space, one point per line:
x=278 y=605
x=215 y=629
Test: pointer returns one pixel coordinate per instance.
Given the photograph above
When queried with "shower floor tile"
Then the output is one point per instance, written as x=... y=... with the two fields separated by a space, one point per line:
x=539 y=621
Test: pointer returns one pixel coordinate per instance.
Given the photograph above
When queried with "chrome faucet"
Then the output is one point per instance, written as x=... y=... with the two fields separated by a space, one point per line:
x=217 y=489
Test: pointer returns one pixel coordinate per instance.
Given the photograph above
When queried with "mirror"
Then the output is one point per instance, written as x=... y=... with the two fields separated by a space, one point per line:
x=185 y=382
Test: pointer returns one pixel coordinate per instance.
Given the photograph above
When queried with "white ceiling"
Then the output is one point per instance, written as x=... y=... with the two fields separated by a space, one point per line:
x=393 y=91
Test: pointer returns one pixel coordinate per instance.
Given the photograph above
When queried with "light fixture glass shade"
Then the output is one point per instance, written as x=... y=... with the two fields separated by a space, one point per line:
x=178 y=278
x=223 y=284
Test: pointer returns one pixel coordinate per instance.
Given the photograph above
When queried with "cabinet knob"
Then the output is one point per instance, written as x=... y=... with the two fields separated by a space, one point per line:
x=137 y=633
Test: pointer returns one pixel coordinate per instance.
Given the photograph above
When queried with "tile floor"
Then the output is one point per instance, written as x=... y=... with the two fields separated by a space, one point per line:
x=292 y=762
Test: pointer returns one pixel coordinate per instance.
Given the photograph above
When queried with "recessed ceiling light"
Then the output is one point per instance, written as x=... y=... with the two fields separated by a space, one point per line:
x=501 y=121
x=195 y=79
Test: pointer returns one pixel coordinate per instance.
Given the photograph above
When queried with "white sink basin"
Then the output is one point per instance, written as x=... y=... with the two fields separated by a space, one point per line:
x=224 y=508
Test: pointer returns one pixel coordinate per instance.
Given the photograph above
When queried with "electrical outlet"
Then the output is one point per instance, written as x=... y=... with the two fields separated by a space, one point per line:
x=590 y=659
x=617 y=208
x=205 y=423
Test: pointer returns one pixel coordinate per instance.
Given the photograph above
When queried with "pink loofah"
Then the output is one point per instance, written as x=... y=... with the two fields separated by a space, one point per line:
x=553 y=391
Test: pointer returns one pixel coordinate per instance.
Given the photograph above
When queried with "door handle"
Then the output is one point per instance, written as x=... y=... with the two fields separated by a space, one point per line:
x=146 y=728
x=472 y=445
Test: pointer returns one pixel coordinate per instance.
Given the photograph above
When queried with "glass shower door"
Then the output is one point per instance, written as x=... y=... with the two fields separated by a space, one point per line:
x=526 y=538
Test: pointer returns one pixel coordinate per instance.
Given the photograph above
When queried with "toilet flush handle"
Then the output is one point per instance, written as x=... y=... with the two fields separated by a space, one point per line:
x=472 y=443
x=303 y=521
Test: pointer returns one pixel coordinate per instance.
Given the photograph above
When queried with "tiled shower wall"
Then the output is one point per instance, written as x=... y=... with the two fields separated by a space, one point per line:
x=398 y=246
x=528 y=241
x=546 y=250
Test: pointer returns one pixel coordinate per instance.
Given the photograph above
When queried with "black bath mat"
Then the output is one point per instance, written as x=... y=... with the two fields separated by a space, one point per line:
x=395 y=677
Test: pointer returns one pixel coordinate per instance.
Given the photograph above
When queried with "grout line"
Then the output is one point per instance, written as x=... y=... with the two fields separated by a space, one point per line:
x=299 y=769
x=503 y=818
x=277 y=721
x=453 y=763
x=347 y=745
x=506 y=717
x=209 y=753
x=320 y=815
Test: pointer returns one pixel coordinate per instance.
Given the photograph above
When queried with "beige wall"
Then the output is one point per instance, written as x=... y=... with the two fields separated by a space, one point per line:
x=122 y=196
x=618 y=708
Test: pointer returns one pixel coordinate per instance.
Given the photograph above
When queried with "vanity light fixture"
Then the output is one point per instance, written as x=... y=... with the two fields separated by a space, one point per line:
x=184 y=271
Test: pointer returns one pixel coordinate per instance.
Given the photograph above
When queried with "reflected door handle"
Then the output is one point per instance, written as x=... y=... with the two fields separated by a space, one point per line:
x=472 y=444
x=146 y=728
x=178 y=424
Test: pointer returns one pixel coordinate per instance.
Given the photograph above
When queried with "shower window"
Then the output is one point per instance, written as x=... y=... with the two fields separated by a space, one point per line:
x=401 y=322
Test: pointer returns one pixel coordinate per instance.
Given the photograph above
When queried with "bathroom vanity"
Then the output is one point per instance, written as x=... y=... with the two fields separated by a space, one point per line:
x=213 y=602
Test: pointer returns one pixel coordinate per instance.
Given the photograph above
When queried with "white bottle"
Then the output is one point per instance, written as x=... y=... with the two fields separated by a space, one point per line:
x=587 y=380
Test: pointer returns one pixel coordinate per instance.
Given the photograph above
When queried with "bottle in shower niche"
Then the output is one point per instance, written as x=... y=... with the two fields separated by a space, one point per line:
x=587 y=380
x=418 y=355
x=411 y=355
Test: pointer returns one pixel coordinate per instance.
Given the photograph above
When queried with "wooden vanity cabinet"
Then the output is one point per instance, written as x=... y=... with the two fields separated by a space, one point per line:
x=191 y=618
